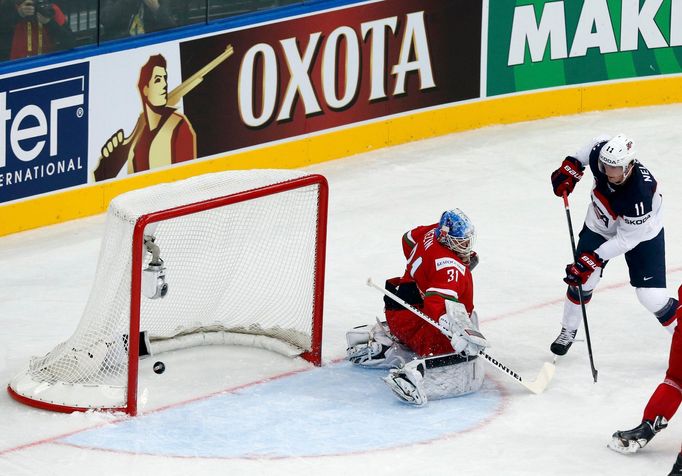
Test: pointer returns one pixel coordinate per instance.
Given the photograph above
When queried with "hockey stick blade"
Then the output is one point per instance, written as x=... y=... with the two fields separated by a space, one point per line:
x=536 y=386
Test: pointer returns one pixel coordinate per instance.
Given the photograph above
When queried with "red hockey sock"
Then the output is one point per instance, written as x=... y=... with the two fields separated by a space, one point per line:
x=664 y=402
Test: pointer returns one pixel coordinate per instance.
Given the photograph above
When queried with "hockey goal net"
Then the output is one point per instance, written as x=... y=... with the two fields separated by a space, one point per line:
x=242 y=257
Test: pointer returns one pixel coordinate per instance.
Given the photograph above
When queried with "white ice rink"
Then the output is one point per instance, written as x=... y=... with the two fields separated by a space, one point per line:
x=237 y=411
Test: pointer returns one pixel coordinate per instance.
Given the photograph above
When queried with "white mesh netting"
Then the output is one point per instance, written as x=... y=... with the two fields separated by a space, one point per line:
x=246 y=268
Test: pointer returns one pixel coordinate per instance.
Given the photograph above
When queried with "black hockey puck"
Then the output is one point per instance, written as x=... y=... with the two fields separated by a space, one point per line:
x=159 y=368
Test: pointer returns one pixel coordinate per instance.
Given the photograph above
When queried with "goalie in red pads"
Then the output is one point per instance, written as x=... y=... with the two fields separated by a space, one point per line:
x=424 y=363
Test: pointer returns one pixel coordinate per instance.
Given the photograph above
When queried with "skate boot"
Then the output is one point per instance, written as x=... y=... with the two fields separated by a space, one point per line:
x=562 y=343
x=630 y=441
x=677 y=467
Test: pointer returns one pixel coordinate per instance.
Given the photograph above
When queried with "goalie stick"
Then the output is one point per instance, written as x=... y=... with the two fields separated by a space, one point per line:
x=536 y=386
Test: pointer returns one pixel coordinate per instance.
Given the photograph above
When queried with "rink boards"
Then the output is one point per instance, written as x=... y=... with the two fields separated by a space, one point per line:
x=352 y=78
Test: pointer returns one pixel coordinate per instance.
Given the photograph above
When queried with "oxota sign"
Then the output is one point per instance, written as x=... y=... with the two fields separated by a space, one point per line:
x=558 y=43
x=332 y=69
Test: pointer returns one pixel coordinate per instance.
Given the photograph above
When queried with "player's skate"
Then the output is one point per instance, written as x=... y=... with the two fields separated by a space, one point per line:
x=563 y=342
x=630 y=441
x=406 y=383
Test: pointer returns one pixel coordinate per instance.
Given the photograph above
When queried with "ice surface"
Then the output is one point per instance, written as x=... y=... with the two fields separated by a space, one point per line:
x=246 y=411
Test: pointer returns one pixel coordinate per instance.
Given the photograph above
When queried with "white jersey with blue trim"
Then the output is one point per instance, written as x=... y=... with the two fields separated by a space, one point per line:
x=625 y=214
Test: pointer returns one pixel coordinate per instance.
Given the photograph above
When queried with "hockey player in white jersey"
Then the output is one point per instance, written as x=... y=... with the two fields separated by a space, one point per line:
x=623 y=218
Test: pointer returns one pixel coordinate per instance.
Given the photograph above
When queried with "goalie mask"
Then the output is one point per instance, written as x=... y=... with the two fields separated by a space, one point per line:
x=456 y=232
x=618 y=152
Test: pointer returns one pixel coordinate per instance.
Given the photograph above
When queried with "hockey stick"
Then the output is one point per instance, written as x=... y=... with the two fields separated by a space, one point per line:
x=536 y=386
x=580 y=289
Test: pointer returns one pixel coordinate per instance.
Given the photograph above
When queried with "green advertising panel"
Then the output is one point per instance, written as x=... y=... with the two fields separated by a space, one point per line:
x=535 y=44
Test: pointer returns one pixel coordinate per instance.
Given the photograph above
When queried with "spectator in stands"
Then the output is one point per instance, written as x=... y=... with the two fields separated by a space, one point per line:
x=36 y=27
x=121 y=18
x=6 y=11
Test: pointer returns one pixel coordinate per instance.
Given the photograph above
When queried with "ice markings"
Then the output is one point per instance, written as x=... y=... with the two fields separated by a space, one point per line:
x=337 y=409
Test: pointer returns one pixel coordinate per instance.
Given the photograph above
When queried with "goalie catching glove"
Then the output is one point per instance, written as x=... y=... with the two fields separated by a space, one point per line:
x=463 y=333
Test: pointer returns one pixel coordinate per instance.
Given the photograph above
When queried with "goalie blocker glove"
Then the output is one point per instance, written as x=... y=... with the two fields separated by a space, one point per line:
x=565 y=177
x=464 y=336
x=579 y=272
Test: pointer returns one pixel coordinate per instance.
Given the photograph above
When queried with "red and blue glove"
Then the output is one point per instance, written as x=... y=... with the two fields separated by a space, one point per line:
x=579 y=272
x=565 y=177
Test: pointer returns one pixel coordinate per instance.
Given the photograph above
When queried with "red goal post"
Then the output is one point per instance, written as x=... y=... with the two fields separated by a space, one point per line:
x=242 y=254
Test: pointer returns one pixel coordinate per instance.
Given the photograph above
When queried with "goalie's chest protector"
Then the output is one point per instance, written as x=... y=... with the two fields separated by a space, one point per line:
x=439 y=272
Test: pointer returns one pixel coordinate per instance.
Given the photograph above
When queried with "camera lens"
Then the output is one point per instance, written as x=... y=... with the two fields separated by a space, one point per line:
x=44 y=8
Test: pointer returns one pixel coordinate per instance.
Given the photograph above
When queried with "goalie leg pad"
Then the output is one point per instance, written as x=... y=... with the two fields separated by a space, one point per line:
x=362 y=334
x=397 y=356
x=435 y=378
x=379 y=356
x=452 y=376
x=406 y=383
x=372 y=346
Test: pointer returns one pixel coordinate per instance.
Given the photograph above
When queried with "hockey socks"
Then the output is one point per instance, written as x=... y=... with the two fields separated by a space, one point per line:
x=664 y=401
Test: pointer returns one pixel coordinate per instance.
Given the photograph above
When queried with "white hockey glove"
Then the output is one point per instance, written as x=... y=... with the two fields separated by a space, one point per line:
x=464 y=336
